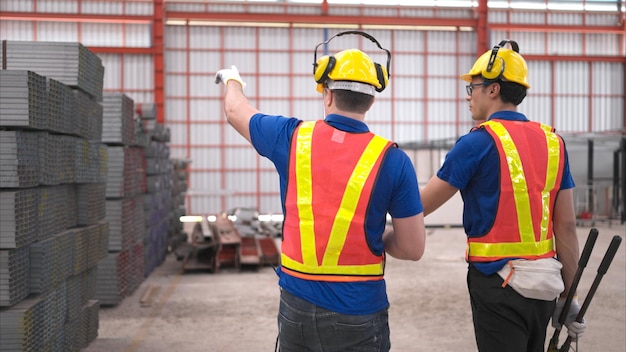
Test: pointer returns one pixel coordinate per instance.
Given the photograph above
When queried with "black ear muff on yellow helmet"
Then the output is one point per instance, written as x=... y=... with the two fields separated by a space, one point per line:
x=323 y=67
x=495 y=65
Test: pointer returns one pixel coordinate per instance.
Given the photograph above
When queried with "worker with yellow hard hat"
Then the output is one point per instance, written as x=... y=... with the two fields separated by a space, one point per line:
x=338 y=181
x=518 y=214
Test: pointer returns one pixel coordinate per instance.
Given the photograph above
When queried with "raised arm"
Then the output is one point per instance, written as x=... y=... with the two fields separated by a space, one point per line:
x=236 y=106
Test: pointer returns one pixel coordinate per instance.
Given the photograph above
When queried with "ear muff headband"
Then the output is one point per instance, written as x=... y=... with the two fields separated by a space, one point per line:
x=495 y=65
x=321 y=73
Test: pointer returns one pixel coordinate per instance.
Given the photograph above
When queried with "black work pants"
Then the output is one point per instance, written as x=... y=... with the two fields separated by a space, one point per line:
x=503 y=319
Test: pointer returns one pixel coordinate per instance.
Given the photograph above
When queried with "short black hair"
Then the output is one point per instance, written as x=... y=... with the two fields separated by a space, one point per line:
x=356 y=102
x=511 y=92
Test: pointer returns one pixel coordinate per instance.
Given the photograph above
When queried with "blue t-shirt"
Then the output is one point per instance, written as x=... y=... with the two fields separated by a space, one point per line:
x=396 y=192
x=472 y=166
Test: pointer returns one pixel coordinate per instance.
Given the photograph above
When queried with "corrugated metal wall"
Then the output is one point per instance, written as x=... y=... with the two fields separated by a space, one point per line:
x=576 y=73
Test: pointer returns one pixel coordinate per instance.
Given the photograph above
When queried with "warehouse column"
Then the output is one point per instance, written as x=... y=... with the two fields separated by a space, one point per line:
x=159 y=65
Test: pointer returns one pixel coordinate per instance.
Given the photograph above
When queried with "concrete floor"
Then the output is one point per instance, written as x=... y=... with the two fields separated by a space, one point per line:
x=236 y=311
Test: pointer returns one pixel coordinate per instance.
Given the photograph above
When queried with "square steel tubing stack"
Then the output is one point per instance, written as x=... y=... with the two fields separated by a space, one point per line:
x=49 y=146
x=51 y=262
x=14 y=271
x=113 y=274
x=19 y=157
x=18 y=208
x=62 y=103
x=118 y=125
x=120 y=215
x=23 y=100
x=91 y=161
x=88 y=116
x=70 y=63
x=91 y=203
x=21 y=325
x=52 y=207
x=115 y=177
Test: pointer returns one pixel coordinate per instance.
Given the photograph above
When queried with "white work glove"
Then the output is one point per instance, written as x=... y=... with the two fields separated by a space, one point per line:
x=574 y=328
x=227 y=74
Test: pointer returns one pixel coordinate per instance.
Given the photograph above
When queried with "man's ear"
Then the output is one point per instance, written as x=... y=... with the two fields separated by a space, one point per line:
x=328 y=97
x=495 y=88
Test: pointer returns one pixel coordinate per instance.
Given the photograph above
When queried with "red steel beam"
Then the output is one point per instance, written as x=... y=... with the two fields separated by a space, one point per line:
x=573 y=58
x=158 y=45
x=121 y=50
x=557 y=28
x=482 y=29
x=74 y=17
x=320 y=19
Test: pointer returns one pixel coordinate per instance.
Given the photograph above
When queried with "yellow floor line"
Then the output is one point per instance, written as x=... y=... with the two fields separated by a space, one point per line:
x=156 y=312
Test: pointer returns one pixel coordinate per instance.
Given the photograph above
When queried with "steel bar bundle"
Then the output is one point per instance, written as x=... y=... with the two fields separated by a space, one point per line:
x=113 y=278
x=19 y=158
x=14 y=268
x=68 y=62
x=52 y=203
x=90 y=203
x=23 y=100
x=118 y=125
x=18 y=208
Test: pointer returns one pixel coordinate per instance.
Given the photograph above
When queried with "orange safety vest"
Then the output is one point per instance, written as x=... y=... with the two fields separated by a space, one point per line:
x=331 y=177
x=532 y=157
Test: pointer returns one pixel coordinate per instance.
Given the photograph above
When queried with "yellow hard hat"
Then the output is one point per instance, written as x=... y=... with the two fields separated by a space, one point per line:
x=350 y=65
x=500 y=63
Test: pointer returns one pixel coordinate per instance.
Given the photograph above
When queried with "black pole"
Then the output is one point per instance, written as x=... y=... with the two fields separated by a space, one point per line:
x=590 y=177
x=616 y=185
x=604 y=266
x=623 y=182
x=582 y=263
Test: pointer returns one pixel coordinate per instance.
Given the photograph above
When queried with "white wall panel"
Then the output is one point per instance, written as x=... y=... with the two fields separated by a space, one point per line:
x=57 y=6
x=112 y=71
x=205 y=134
x=201 y=61
x=608 y=114
x=240 y=158
x=308 y=109
x=407 y=87
x=206 y=158
x=540 y=110
x=57 y=32
x=205 y=110
x=17 y=5
x=175 y=110
x=17 y=30
x=241 y=182
x=603 y=45
x=138 y=72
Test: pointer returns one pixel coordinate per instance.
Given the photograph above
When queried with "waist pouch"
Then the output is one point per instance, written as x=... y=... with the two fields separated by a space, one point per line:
x=537 y=279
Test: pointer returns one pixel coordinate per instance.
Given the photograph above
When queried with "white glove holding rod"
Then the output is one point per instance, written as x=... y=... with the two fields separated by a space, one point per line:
x=228 y=74
x=574 y=328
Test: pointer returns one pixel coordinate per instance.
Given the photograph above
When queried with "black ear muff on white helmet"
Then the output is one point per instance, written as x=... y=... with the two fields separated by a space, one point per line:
x=351 y=65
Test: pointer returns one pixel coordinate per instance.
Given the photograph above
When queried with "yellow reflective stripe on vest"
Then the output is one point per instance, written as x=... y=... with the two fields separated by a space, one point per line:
x=518 y=180
x=343 y=269
x=350 y=199
x=305 y=193
x=554 y=156
x=510 y=249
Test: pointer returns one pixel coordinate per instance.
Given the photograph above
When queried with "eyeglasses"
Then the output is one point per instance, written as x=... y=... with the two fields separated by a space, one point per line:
x=470 y=87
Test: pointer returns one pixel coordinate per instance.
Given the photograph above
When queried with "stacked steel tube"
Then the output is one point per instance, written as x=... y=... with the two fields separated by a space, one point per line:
x=53 y=231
